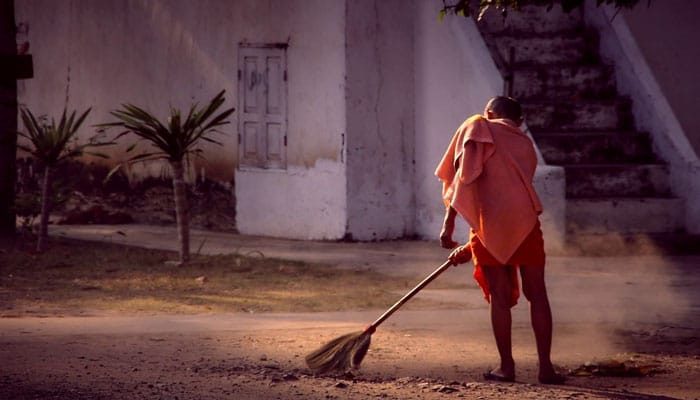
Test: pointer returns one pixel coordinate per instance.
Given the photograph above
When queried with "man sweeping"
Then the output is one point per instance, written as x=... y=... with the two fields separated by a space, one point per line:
x=487 y=174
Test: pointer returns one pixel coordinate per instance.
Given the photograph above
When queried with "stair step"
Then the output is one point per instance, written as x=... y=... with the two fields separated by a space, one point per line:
x=624 y=215
x=614 y=183
x=531 y=19
x=598 y=115
x=618 y=180
x=567 y=48
x=595 y=147
x=625 y=244
x=563 y=81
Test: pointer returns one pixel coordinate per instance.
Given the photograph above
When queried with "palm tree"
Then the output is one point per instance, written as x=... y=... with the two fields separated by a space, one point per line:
x=173 y=141
x=52 y=143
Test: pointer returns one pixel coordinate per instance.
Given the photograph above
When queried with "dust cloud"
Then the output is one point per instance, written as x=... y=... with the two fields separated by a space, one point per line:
x=615 y=303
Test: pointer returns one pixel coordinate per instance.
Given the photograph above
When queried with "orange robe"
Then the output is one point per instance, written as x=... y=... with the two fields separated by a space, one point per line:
x=487 y=174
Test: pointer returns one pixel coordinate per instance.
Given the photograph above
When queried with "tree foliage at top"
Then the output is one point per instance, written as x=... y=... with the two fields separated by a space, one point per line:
x=468 y=8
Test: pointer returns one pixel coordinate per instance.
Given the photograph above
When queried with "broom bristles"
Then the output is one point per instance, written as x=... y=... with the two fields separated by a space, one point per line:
x=340 y=354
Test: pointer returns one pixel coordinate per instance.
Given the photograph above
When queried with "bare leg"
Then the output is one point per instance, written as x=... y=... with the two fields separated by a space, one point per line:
x=501 y=321
x=541 y=317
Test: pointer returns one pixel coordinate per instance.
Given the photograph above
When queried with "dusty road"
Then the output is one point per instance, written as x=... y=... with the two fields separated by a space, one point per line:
x=419 y=355
x=644 y=309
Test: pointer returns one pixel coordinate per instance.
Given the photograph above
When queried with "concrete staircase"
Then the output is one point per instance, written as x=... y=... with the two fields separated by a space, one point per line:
x=614 y=181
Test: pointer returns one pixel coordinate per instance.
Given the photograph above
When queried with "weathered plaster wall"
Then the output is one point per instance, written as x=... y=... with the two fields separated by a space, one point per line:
x=375 y=90
x=307 y=200
x=454 y=78
x=379 y=108
x=300 y=203
x=651 y=105
x=161 y=53
x=449 y=87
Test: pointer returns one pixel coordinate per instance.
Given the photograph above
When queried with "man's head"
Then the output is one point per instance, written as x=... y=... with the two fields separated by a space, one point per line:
x=504 y=107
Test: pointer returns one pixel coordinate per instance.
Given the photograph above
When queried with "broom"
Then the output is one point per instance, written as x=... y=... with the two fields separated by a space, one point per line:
x=347 y=351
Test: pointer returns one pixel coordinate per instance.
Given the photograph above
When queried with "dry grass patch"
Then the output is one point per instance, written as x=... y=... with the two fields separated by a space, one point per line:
x=78 y=278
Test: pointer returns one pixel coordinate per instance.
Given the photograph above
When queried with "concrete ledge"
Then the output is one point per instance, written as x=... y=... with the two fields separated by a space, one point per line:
x=686 y=181
x=550 y=184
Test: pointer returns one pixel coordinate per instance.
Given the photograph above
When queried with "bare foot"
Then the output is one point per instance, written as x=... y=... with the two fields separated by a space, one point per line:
x=499 y=375
x=548 y=376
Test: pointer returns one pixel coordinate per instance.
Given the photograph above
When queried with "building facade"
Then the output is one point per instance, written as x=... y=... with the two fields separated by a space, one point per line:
x=343 y=108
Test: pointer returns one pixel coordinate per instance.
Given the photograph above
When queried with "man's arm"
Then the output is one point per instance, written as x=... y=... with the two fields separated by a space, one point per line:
x=448 y=228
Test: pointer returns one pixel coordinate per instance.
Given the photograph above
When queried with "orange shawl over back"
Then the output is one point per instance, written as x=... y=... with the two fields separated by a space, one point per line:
x=487 y=174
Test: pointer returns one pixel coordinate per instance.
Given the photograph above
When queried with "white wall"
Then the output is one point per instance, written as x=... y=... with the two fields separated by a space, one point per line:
x=380 y=132
x=450 y=85
x=299 y=203
x=308 y=199
x=376 y=88
x=158 y=53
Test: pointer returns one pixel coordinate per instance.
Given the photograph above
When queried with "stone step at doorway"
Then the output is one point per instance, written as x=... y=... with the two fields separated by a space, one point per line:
x=621 y=244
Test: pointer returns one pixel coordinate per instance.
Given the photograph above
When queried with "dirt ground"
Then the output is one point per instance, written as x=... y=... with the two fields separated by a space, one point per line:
x=644 y=311
x=77 y=277
x=216 y=358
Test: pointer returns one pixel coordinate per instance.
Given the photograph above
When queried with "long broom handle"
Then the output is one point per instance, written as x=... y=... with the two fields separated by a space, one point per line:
x=409 y=295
